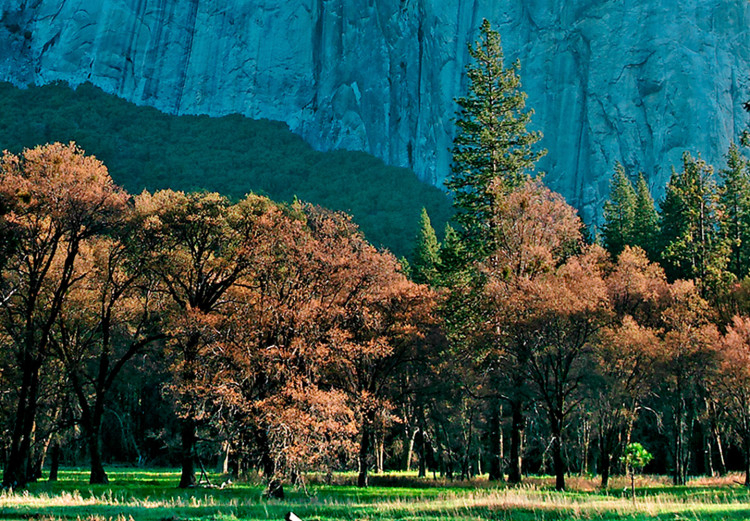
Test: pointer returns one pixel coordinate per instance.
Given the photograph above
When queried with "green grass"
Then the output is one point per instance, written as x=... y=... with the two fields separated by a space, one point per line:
x=151 y=495
x=232 y=155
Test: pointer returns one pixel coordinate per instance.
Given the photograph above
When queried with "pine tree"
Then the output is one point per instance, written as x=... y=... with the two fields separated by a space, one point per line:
x=452 y=254
x=619 y=212
x=493 y=149
x=426 y=256
x=691 y=245
x=735 y=204
x=645 y=219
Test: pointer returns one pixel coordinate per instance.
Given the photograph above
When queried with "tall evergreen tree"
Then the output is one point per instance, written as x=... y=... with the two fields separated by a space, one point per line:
x=492 y=144
x=426 y=257
x=493 y=155
x=735 y=205
x=645 y=219
x=692 y=247
x=619 y=212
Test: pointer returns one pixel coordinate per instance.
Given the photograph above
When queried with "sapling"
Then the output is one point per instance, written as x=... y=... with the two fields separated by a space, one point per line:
x=635 y=458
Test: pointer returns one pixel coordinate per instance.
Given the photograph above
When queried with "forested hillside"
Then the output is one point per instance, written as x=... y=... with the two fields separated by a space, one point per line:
x=233 y=155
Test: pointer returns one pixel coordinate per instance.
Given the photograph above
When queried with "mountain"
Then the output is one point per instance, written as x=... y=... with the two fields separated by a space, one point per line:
x=637 y=81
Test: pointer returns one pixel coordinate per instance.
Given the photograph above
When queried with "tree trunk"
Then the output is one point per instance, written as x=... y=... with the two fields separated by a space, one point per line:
x=187 y=455
x=189 y=426
x=515 y=463
x=605 y=464
x=607 y=442
x=586 y=441
x=275 y=488
x=380 y=454
x=364 y=452
x=422 y=444
x=223 y=466
x=681 y=452
x=98 y=476
x=92 y=424
x=55 y=465
x=720 y=449
x=557 y=454
x=18 y=470
x=496 y=434
x=410 y=450
x=708 y=454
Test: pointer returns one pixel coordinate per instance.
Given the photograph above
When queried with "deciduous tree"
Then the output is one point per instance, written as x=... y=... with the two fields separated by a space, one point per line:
x=200 y=247
x=733 y=383
x=565 y=310
x=108 y=318
x=536 y=231
x=55 y=198
x=688 y=360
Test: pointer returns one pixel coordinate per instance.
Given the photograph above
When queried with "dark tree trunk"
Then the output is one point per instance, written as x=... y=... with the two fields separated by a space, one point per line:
x=515 y=462
x=275 y=488
x=19 y=468
x=681 y=452
x=98 y=476
x=607 y=443
x=364 y=452
x=422 y=445
x=557 y=454
x=187 y=456
x=605 y=464
x=496 y=433
x=189 y=426
x=92 y=422
x=55 y=465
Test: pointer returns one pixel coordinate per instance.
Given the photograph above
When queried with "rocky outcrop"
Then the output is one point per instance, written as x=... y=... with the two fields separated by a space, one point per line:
x=636 y=81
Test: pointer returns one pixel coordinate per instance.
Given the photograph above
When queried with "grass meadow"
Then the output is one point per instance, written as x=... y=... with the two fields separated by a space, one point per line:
x=151 y=495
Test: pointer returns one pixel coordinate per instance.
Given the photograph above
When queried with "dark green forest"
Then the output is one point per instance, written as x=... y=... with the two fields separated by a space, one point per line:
x=233 y=155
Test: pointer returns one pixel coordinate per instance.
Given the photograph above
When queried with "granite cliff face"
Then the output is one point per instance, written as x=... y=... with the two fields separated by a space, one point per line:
x=636 y=81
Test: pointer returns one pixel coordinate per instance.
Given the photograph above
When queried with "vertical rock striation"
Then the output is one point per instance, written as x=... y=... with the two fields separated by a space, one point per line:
x=636 y=81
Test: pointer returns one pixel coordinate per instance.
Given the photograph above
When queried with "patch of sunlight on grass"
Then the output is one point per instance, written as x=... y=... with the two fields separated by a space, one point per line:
x=151 y=495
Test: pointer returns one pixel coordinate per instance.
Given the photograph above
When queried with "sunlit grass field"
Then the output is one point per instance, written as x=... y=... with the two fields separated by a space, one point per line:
x=151 y=495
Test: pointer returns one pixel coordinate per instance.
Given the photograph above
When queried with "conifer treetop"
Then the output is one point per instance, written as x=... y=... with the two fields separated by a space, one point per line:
x=492 y=142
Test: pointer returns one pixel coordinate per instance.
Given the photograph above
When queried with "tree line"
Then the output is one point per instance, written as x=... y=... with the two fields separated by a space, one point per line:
x=565 y=350
x=187 y=328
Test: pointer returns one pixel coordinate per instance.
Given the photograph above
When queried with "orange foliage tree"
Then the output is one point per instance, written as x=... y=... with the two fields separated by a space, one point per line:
x=687 y=363
x=564 y=311
x=108 y=318
x=200 y=248
x=54 y=198
x=303 y=352
x=733 y=383
x=536 y=231
x=627 y=351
